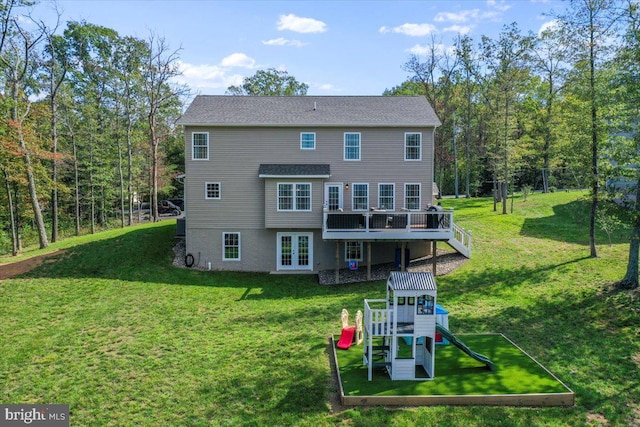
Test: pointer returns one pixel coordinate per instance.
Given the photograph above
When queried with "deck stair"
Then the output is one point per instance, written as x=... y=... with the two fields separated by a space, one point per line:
x=461 y=241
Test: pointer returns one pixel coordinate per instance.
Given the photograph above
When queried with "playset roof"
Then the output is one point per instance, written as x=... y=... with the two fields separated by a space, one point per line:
x=412 y=281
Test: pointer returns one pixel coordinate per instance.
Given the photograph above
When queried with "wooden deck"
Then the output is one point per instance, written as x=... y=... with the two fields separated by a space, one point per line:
x=399 y=226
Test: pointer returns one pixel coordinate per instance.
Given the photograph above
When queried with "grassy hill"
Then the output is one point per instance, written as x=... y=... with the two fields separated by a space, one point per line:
x=126 y=339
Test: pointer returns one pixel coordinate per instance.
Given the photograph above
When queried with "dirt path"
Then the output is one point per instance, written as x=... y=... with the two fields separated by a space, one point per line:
x=7 y=271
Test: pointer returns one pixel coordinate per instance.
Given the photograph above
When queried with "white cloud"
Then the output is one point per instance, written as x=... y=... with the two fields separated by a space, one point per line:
x=328 y=87
x=281 y=41
x=460 y=29
x=238 y=60
x=460 y=17
x=298 y=24
x=549 y=25
x=425 y=50
x=499 y=4
x=415 y=30
x=465 y=16
x=204 y=76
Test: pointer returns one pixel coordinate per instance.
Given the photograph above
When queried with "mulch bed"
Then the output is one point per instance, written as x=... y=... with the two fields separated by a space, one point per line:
x=446 y=262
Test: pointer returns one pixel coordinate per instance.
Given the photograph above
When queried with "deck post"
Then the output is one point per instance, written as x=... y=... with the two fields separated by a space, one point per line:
x=433 y=257
x=402 y=257
x=369 y=261
x=337 y=262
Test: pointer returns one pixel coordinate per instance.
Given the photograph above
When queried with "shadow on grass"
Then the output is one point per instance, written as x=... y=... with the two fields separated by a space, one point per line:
x=569 y=223
x=145 y=255
x=586 y=341
x=497 y=279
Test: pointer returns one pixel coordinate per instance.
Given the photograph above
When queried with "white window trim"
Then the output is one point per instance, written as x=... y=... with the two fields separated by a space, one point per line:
x=314 y=141
x=192 y=146
x=393 y=185
x=344 y=147
x=294 y=197
x=353 y=196
x=419 y=159
x=224 y=234
x=419 y=194
x=346 y=258
x=206 y=191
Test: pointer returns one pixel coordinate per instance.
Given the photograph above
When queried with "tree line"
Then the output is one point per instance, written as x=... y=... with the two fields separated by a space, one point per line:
x=541 y=111
x=86 y=127
x=86 y=118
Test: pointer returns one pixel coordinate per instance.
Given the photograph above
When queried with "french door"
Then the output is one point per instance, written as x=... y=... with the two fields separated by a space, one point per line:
x=295 y=251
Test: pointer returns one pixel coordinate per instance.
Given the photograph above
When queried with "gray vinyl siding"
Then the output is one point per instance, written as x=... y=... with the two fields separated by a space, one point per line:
x=248 y=203
x=258 y=250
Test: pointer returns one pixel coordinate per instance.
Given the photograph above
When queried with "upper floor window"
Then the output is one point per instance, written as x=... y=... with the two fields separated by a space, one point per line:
x=294 y=197
x=386 y=196
x=360 y=198
x=351 y=146
x=307 y=140
x=200 y=145
x=413 y=146
x=231 y=246
x=412 y=196
x=212 y=190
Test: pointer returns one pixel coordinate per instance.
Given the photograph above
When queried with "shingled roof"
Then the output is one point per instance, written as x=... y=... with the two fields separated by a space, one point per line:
x=294 y=170
x=362 y=111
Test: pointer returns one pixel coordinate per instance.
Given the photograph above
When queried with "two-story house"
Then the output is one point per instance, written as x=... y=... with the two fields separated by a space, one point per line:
x=309 y=183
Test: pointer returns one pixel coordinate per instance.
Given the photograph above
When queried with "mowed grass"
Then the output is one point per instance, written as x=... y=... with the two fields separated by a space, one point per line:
x=126 y=339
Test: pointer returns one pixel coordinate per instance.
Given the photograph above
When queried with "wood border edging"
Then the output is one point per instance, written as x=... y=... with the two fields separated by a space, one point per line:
x=534 y=399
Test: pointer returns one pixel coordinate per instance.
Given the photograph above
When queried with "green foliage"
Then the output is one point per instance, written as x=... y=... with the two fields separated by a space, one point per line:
x=270 y=82
x=406 y=88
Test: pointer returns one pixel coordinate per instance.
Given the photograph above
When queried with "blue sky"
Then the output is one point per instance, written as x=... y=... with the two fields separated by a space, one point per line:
x=336 y=47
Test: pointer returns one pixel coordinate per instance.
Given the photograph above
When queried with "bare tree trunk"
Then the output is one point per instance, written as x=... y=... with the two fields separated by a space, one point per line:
x=17 y=197
x=506 y=155
x=154 y=170
x=12 y=219
x=630 y=279
x=594 y=141
x=467 y=146
x=121 y=175
x=31 y=182
x=91 y=192
x=54 y=171
x=130 y=167
x=35 y=204
x=76 y=184
x=496 y=195
x=54 y=86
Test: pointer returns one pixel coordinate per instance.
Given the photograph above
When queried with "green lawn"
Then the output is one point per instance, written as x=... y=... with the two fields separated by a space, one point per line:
x=124 y=338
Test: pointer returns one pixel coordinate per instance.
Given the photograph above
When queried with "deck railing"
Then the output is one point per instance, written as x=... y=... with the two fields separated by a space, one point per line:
x=376 y=221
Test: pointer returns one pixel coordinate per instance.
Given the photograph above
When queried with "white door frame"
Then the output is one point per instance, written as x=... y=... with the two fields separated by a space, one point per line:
x=340 y=187
x=295 y=259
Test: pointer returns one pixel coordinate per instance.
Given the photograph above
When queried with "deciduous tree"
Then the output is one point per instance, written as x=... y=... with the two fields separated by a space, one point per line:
x=270 y=82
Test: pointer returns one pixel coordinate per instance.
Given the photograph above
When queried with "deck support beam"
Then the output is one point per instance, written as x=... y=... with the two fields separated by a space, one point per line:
x=368 y=261
x=337 y=262
x=433 y=257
